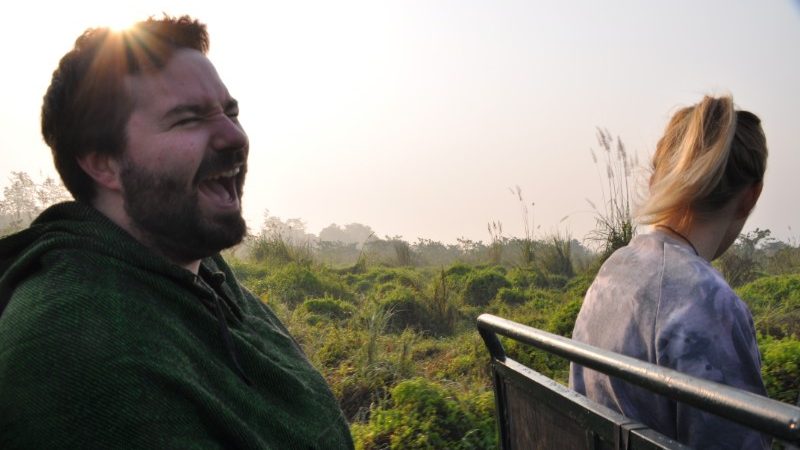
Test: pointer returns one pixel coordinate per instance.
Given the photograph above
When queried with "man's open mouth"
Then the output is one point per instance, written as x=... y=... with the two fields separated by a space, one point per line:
x=222 y=188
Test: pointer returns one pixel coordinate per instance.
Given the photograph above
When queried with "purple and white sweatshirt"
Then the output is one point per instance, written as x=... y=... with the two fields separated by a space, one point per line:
x=657 y=301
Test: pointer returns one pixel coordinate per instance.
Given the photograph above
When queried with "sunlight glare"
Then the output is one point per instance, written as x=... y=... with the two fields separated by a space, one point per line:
x=120 y=22
x=117 y=17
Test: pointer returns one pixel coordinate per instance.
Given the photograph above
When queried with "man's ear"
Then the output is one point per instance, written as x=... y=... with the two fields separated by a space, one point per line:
x=748 y=199
x=104 y=169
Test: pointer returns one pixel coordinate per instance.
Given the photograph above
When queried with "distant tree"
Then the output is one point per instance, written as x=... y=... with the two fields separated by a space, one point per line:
x=402 y=250
x=353 y=233
x=582 y=256
x=435 y=253
x=50 y=192
x=291 y=230
x=19 y=198
x=23 y=199
x=332 y=233
x=741 y=263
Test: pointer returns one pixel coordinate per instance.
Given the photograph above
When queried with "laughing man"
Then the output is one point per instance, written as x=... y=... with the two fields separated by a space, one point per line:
x=121 y=325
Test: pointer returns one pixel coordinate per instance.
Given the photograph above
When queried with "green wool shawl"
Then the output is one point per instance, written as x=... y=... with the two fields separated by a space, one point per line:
x=104 y=344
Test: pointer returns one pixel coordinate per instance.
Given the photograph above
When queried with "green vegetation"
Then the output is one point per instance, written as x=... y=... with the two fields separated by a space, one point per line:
x=395 y=335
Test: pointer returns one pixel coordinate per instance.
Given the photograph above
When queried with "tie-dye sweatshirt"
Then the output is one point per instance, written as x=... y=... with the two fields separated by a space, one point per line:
x=657 y=301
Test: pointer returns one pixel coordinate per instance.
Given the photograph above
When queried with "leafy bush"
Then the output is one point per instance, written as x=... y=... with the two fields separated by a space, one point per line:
x=247 y=272
x=326 y=308
x=512 y=296
x=545 y=363
x=563 y=319
x=527 y=277
x=578 y=286
x=458 y=270
x=780 y=366
x=775 y=304
x=543 y=300
x=424 y=415
x=407 y=310
x=361 y=389
x=401 y=276
x=481 y=287
x=339 y=345
x=294 y=282
x=556 y=281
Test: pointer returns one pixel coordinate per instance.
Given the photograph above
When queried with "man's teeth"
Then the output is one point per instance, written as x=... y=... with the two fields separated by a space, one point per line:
x=227 y=174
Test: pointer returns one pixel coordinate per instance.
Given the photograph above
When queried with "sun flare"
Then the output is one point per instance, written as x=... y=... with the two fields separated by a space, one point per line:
x=118 y=18
x=121 y=23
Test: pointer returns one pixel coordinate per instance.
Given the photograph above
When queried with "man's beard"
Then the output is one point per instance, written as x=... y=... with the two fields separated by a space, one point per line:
x=168 y=214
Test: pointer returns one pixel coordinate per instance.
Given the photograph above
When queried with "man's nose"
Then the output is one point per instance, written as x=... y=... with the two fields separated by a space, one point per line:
x=228 y=134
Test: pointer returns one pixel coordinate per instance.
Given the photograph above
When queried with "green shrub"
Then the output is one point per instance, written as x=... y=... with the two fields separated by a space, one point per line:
x=527 y=277
x=294 y=282
x=401 y=276
x=458 y=269
x=362 y=286
x=543 y=299
x=481 y=287
x=340 y=345
x=775 y=304
x=562 y=321
x=424 y=415
x=577 y=287
x=780 y=368
x=768 y=292
x=556 y=281
x=247 y=272
x=327 y=308
x=407 y=310
x=545 y=363
x=512 y=296
x=360 y=389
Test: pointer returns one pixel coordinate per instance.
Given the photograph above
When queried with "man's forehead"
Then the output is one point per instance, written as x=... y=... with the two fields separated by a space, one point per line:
x=187 y=77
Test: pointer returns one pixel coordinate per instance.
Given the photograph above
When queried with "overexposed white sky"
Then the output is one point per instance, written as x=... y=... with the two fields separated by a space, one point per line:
x=416 y=117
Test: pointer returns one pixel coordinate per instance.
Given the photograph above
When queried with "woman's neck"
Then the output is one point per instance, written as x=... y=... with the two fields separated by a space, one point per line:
x=709 y=236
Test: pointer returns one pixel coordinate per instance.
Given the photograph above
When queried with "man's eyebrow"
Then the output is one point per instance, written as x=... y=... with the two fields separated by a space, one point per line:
x=197 y=108
x=186 y=108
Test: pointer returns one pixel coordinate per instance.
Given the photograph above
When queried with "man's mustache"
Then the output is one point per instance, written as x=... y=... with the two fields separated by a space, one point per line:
x=219 y=162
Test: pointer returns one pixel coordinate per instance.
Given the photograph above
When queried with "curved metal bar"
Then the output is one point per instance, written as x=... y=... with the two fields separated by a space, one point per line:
x=770 y=416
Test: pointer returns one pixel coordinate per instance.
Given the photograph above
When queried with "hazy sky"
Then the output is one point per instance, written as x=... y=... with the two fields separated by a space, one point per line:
x=416 y=117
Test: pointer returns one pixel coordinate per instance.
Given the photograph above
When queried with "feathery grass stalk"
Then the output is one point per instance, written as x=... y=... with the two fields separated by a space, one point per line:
x=498 y=241
x=615 y=227
x=527 y=244
x=376 y=327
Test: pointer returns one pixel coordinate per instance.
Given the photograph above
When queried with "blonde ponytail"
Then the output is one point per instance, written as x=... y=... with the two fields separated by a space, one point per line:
x=708 y=153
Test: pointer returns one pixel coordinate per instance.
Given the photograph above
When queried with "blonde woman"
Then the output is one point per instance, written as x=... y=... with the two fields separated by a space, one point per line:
x=660 y=300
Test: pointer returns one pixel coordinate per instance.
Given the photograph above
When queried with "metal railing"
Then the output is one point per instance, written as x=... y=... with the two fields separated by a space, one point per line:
x=760 y=413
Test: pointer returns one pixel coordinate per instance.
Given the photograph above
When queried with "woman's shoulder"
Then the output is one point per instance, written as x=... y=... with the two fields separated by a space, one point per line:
x=696 y=295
